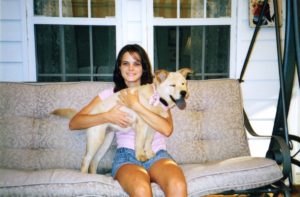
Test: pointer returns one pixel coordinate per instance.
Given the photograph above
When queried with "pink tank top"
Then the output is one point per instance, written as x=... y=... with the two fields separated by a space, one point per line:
x=126 y=139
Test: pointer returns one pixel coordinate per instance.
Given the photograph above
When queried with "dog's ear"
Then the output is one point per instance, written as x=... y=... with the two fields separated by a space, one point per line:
x=161 y=75
x=185 y=71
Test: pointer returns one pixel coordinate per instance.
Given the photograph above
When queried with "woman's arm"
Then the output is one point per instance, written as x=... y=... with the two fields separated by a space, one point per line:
x=83 y=119
x=158 y=123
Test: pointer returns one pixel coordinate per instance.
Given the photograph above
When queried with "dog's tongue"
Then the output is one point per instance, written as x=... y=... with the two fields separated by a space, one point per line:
x=181 y=104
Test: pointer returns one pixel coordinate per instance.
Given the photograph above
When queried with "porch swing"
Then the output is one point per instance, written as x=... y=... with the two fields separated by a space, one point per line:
x=281 y=141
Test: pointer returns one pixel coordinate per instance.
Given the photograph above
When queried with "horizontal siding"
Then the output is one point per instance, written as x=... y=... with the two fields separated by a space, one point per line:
x=11 y=51
x=12 y=64
x=260 y=70
x=261 y=87
x=263 y=50
x=265 y=33
x=10 y=10
x=261 y=110
x=12 y=30
x=260 y=144
x=262 y=127
x=11 y=71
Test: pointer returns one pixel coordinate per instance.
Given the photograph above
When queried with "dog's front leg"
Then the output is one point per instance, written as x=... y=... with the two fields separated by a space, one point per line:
x=95 y=137
x=148 y=143
x=140 y=138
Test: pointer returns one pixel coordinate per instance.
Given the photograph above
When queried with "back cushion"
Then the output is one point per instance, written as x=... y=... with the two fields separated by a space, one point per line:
x=32 y=138
x=18 y=99
x=211 y=127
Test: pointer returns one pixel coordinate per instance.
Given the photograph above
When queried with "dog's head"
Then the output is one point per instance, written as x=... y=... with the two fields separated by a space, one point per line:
x=172 y=87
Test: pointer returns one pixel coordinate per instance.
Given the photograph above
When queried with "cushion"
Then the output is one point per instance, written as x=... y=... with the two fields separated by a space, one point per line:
x=34 y=144
x=239 y=173
x=18 y=99
x=211 y=128
x=202 y=179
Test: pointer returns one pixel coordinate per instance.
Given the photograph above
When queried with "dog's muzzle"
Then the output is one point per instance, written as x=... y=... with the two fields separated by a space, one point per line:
x=180 y=103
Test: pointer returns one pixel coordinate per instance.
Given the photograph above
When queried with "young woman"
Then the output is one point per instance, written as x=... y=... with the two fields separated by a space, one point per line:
x=133 y=69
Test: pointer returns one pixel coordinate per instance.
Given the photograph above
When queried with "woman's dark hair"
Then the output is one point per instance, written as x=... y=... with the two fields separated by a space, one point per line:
x=146 y=75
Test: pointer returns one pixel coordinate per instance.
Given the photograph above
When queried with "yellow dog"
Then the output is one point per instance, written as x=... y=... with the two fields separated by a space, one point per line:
x=168 y=89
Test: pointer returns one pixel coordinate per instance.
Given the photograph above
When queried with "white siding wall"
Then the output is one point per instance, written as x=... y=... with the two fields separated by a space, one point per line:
x=261 y=86
x=13 y=61
x=260 y=89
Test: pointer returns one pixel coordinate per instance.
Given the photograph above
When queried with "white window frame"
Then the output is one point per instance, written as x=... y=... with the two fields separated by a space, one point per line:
x=33 y=20
x=232 y=21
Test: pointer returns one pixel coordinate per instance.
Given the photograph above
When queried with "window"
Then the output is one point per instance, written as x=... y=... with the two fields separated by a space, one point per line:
x=66 y=48
x=193 y=33
x=77 y=40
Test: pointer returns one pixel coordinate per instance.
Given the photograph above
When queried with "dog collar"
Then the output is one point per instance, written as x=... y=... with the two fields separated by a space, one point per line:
x=155 y=99
x=164 y=104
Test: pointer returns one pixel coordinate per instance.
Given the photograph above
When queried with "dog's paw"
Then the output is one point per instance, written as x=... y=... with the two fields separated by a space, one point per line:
x=150 y=154
x=142 y=158
x=84 y=170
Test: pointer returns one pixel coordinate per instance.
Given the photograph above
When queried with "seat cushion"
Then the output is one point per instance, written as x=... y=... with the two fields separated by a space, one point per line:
x=232 y=174
x=209 y=178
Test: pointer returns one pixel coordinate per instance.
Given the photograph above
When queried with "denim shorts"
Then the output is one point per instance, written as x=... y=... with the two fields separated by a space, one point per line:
x=127 y=156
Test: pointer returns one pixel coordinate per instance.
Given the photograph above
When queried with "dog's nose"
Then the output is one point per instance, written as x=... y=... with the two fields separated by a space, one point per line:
x=183 y=93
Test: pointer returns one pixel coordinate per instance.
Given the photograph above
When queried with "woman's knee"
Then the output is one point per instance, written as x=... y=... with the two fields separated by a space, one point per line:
x=177 y=185
x=141 y=188
x=134 y=180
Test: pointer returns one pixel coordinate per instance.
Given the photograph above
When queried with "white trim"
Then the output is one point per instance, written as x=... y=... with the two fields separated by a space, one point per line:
x=150 y=37
x=233 y=40
x=109 y=21
x=191 y=22
x=119 y=27
x=89 y=9
x=30 y=44
x=205 y=8
x=178 y=9
x=144 y=24
x=124 y=21
x=26 y=67
x=60 y=8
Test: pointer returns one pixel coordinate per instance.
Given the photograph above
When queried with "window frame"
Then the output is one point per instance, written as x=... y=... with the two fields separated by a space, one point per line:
x=159 y=21
x=50 y=20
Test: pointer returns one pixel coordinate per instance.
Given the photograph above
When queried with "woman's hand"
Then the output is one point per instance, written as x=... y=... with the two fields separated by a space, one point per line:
x=129 y=98
x=84 y=119
x=118 y=117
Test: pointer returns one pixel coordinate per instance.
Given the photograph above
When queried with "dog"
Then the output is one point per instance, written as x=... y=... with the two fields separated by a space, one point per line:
x=167 y=90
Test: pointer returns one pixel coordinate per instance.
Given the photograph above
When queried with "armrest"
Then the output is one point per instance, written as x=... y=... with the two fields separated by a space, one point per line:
x=278 y=149
x=280 y=152
x=296 y=139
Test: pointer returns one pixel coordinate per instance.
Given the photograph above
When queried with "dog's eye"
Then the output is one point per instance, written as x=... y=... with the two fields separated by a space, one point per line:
x=172 y=86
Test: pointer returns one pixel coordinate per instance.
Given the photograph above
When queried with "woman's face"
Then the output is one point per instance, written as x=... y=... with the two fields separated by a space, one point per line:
x=131 y=69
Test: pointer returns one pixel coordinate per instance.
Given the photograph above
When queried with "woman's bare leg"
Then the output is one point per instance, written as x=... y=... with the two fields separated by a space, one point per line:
x=169 y=176
x=134 y=180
